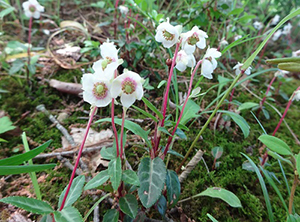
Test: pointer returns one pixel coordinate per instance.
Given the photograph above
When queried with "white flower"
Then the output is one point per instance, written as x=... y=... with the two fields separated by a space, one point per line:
x=129 y=86
x=167 y=34
x=238 y=70
x=258 y=25
x=209 y=63
x=96 y=90
x=297 y=95
x=184 y=60
x=287 y=29
x=109 y=62
x=223 y=42
x=123 y=9
x=275 y=20
x=296 y=53
x=281 y=73
x=277 y=35
x=32 y=9
x=237 y=37
x=193 y=38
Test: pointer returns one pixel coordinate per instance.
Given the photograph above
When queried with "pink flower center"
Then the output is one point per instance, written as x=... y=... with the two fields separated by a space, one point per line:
x=100 y=90
x=128 y=85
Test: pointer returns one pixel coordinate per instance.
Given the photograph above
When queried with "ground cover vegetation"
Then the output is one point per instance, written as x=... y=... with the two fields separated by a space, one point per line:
x=142 y=110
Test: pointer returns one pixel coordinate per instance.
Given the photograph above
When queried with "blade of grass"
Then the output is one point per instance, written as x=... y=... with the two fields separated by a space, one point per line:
x=263 y=187
x=271 y=182
x=94 y=206
x=32 y=174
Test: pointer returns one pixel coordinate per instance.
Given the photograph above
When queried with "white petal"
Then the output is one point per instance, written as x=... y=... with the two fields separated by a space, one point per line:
x=189 y=49
x=89 y=97
x=207 y=69
x=36 y=14
x=139 y=92
x=191 y=61
x=103 y=102
x=25 y=5
x=214 y=63
x=159 y=37
x=87 y=82
x=180 y=66
x=127 y=100
x=116 y=88
x=28 y=13
x=201 y=43
x=108 y=49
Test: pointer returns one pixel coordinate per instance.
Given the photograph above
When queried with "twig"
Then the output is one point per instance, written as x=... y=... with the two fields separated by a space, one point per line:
x=190 y=166
x=63 y=130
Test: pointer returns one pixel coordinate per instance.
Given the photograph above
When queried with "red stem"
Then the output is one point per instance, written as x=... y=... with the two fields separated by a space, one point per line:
x=182 y=110
x=231 y=97
x=122 y=130
x=29 y=43
x=165 y=101
x=78 y=157
x=114 y=125
x=265 y=97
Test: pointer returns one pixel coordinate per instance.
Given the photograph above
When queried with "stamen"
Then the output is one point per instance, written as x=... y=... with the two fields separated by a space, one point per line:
x=100 y=90
x=128 y=85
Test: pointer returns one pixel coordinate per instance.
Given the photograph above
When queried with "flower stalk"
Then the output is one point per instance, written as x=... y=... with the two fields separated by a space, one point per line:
x=78 y=157
x=182 y=110
x=29 y=44
x=265 y=97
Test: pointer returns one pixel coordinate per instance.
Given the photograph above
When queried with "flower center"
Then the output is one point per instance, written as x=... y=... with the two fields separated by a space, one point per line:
x=128 y=85
x=100 y=90
x=106 y=62
x=32 y=8
x=193 y=39
x=167 y=35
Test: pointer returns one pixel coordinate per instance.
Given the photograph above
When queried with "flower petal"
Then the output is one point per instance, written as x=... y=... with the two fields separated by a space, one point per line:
x=127 y=100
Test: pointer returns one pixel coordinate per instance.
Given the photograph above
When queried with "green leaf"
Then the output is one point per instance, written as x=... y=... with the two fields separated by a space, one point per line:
x=152 y=107
x=130 y=177
x=74 y=193
x=190 y=111
x=275 y=144
x=108 y=153
x=5 y=124
x=180 y=134
x=263 y=187
x=145 y=113
x=21 y=158
x=162 y=205
x=239 y=120
x=236 y=11
x=133 y=127
x=46 y=218
x=298 y=164
x=10 y=170
x=289 y=66
x=94 y=206
x=163 y=82
x=225 y=195
x=283 y=60
x=29 y=204
x=217 y=152
x=6 y=12
x=173 y=187
x=152 y=176
x=164 y=130
x=98 y=180
x=173 y=152
x=115 y=172
x=111 y=215
x=247 y=105
x=17 y=65
x=278 y=157
x=99 y=4
x=129 y=205
x=68 y=214
x=211 y=217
